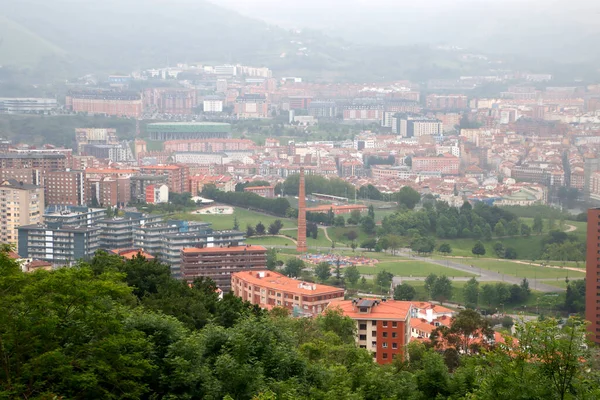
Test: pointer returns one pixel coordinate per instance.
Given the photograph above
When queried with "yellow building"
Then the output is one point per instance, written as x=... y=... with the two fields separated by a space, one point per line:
x=20 y=204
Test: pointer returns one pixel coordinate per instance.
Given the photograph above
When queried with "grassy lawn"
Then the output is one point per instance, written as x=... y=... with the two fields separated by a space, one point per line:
x=338 y=234
x=527 y=248
x=559 y=282
x=412 y=268
x=270 y=241
x=457 y=291
x=521 y=270
x=245 y=217
x=320 y=241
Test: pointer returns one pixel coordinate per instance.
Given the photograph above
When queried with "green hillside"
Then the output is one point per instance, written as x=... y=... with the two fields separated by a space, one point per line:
x=21 y=47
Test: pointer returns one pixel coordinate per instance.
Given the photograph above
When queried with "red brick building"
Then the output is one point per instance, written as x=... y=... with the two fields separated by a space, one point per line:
x=446 y=102
x=263 y=191
x=64 y=188
x=122 y=104
x=219 y=263
x=177 y=175
x=383 y=327
x=592 y=275
x=170 y=100
x=271 y=289
x=252 y=106
x=446 y=164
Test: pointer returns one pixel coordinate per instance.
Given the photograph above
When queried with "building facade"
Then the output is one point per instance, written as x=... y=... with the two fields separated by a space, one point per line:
x=20 y=204
x=592 y=275
x=188 y=130
x=219 y=263
x=383 y=327
x=269 y=289
x=121 y=104
x=446 y=164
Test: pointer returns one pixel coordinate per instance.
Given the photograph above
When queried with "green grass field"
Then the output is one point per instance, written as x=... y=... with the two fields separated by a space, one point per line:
x=245 y=217
x=270 y=241
x=521 y=270
x=559 y=282
x=338 y=234
x=412 y=268
x=320 y=241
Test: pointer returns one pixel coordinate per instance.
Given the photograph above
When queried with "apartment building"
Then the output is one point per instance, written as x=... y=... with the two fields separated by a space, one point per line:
x=57 y=243
x=269 y=289
x=20 y=204
x=74 y=215
x=118 y=233
x=41 y=161
x=65 y=188
x=592 y=290
x=177 y=175
x=446 y=164
x=252 y=106
x=263 y=191
x=84 y=136
x=383 y=326
x=219 y=263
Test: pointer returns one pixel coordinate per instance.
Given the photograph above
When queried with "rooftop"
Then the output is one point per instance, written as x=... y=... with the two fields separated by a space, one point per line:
x=378 y=309
x=232 y=249
x=277 y=281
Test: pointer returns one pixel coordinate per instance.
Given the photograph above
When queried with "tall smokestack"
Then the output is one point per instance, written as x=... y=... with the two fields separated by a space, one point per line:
x=301 y=244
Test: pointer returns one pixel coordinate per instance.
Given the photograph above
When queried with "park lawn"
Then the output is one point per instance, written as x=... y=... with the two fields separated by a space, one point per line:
x=270 y=241
x=521 y=270
x=527 y=248
x=245 y=217
x=338 y=235
x=422 y=295
x=412 y=268
x=320 y=241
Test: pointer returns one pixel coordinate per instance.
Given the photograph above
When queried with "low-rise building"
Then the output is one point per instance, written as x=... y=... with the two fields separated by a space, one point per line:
x=383 y=326
x=263 y=191
x=271 y=289
x=219 y=263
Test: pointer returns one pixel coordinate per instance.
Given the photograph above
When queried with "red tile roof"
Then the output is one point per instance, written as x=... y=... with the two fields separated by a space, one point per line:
x=277 y=281
x=385 y=310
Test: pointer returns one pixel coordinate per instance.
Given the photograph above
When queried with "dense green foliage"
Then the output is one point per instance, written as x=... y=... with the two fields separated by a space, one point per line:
x=448 y=222
x=278 y=206
x=317 y=184
x=116 y=329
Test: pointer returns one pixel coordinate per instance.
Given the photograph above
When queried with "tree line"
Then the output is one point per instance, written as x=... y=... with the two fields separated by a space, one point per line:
x=278 y=206
x=122 y=329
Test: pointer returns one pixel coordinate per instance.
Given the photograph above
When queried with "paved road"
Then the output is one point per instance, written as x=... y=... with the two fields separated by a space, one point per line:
x=483 y=275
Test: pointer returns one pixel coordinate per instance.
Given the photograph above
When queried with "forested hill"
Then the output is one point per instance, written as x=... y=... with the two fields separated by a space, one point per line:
x=116 y=329
x=114 y=36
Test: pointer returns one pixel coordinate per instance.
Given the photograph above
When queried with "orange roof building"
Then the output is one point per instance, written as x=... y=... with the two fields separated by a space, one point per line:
x=128 y=254
x=383 y=326
x=271 y=289
x=342 y=209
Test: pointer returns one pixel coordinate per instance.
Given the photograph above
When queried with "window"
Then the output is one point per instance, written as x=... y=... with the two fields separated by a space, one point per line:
x=394 y=345
x=394 y=324
x=384 y=356
x=384 y=324
x=385 y=334
x=384 y=345
x=362 y=337
x=373 y=323
x=373 y=333
x=362 y=327
x=394 y=334
x=373 y=343
x=363 y=309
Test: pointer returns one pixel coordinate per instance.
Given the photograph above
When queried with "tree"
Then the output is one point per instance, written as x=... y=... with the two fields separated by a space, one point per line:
x=445 y=248
x=371 y=212
x=442 y=289
x=499 y=249
x=323 y=271
x=249 y=231
x=408 y=197
x=429 y=282
x=368 y=225
x=391 y=242
x=525 y=230
x=471 y=293
x=510 y=253
x=383 y=279
x=353 y=246
x=404 y=292
x=354 y=218
x=468 y=331
x=538 y=224
x=293 y=267
x=351 y=235
x=339 y=221
x=369 y=244
x=271 y=259
x=513 y=228
x=499 y=230
x=236 y=225
x=507 y=322
x=260 y=229
x=312 y=230
x=478 y=249
x=275 y=227
x=422 y=244
x=351 y=274
x=487 y=232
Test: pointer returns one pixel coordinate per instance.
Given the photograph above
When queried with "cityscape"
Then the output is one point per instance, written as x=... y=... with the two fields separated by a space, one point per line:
x=281 y=219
